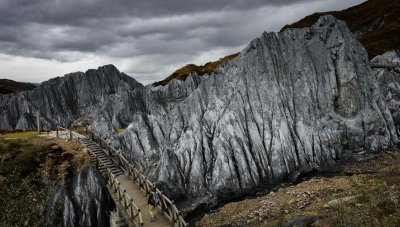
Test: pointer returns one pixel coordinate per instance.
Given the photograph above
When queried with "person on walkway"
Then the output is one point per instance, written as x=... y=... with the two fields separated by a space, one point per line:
x=153 y=201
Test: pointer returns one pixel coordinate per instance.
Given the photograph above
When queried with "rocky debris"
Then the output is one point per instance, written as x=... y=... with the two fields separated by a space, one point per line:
x=336 y=202
x=303 y=220
x=63 y=100
x=290 y=103
x=378 y=195
x=84 y=201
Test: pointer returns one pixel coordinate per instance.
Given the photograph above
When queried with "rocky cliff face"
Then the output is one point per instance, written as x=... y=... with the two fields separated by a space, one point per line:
x=389 y=82
x=63 y=100
x=84 y=201
x=290 y=103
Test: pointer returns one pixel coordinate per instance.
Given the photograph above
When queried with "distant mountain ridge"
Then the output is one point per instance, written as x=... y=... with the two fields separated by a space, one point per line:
x=10 y=86
x=376 y=24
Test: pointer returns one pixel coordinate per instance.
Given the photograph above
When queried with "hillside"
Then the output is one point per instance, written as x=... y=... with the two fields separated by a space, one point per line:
x=370 y=189
x=376 y=24
x=184 y=72
x=10 y=86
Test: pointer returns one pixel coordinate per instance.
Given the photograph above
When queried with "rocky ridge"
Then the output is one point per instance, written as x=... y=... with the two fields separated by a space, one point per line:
x=63 y=100
x=290 y=103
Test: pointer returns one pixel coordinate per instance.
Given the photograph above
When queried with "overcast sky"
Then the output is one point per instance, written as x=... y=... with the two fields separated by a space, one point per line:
x=147 y=39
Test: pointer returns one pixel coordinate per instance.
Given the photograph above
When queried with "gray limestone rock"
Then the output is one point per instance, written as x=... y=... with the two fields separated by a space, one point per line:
x=85 y=201
x=290 y=103
x=389 y=82
x=63 y=100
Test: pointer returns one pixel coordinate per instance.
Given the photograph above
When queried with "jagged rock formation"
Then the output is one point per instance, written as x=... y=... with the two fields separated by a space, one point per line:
x=389 y=82
x=374 y=22
x=84 y=201
x=63 y=100
x=290 y=103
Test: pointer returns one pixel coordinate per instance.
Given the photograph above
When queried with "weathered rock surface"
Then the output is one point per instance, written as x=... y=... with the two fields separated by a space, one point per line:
x=389 y=82
x=84 y=201
x=291 y=102
x=63 y=100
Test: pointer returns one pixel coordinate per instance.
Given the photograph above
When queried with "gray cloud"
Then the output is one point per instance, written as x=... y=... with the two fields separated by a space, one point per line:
x=148 y=38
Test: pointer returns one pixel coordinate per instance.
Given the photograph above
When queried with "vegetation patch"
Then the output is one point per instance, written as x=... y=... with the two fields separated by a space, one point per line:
x=18 y=134
x=30 y=170
x=184 y=72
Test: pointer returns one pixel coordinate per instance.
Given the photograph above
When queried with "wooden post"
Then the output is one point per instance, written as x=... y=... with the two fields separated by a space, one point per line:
x=57 y=132
x=37 y=114
x=70 y=134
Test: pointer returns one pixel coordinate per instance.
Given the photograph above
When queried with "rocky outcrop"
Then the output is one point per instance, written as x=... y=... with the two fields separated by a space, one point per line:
x=84 y=201
x=290 y=103
x=63 y=100
x=389 y=82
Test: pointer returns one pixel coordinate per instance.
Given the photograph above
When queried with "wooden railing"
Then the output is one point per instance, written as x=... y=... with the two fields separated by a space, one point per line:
x=60 y=132
x=123 y=199
x=167 y=207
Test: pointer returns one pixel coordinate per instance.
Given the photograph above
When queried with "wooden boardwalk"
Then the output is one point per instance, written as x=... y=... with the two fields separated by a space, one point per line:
x=140 y=200
x=132 y=190
x=128 y=187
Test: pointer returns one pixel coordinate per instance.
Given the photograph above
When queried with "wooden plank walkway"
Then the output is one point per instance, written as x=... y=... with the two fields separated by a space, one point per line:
x=109 y=163
x=127 y=185
x=140 y=200
x=132 y=189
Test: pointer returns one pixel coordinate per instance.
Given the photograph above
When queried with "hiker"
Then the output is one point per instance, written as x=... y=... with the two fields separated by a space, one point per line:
x=153 y=201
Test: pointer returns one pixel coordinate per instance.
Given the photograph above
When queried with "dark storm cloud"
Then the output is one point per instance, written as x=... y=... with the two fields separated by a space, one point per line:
x=65 y=11
x=151 y=37
x=90 y=25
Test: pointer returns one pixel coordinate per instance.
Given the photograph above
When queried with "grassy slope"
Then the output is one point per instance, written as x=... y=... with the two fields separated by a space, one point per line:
x=10 y=86
x=183 y=73
x=29 y=172
x=383 y=37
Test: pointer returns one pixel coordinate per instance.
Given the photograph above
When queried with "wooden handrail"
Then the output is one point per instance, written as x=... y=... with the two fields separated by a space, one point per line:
x=125 y=200
x=167 y=206
x=60 y=131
